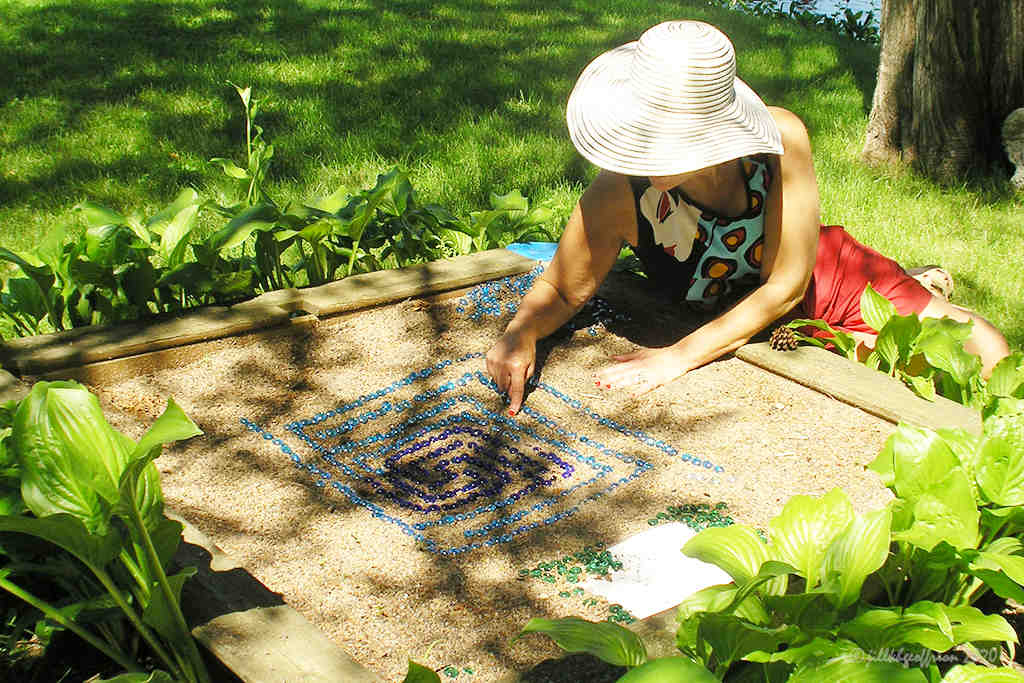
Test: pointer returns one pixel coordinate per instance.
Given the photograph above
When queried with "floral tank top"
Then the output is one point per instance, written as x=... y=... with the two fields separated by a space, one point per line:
x=696 y=255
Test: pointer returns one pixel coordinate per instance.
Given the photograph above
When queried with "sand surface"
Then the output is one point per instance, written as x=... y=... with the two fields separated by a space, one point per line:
x=415 y=501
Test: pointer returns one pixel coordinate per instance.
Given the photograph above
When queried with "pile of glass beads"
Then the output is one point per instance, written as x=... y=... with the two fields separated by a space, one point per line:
x=697 y=516
x=453 y=671
x=594 y=560
x=496 y=297
x=500 y=297
x=596 y=315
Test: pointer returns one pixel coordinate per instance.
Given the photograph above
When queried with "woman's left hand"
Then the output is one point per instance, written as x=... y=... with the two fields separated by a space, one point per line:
x=641 y=371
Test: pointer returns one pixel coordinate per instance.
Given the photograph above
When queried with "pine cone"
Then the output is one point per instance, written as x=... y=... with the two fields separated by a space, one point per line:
x=783 y=339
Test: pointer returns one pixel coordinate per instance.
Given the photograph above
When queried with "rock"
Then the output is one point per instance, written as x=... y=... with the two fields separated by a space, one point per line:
x=1013 y=143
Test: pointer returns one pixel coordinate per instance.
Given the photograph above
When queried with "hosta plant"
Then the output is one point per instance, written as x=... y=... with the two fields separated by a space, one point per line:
x=927 y=354
x=81 y=508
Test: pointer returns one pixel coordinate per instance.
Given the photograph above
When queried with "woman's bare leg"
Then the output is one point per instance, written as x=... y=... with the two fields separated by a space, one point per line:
x=985 y=341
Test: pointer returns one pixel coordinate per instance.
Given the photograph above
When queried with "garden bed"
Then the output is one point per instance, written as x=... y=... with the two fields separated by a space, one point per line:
x=339 y=538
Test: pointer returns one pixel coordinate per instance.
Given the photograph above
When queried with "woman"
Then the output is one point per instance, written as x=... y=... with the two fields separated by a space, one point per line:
x=717 y=196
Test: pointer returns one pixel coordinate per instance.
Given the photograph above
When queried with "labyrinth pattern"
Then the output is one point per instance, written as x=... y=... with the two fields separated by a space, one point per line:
x=432 y=455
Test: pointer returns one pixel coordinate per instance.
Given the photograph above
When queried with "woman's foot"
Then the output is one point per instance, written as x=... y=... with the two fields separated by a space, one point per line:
x=935 y=279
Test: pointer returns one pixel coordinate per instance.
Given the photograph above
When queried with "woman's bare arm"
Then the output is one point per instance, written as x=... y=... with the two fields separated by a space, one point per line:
x=586 y=252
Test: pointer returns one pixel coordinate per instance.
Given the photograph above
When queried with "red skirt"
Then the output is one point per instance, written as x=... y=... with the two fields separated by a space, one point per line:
x=842 y=271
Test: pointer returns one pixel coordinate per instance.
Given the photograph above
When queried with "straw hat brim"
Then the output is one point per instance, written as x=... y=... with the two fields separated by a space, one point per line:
x=616 y=129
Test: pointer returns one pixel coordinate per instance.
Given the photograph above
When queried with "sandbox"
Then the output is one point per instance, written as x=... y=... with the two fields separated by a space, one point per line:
x=364 y=467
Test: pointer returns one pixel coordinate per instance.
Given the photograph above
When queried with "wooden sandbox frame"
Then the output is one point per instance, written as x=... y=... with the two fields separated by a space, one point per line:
x=240 y=621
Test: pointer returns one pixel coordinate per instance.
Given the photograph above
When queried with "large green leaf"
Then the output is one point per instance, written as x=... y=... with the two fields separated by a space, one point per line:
x=946 y=511
x=174 y=223
x=1001 y=566
x=875 y=309
x=852 y=670
x=172 y=425
x=108 y=245
x=802 y=533
x=855 y=554
x=972 y=673
x=1007 y=379
x=732 y=638
x=71 y=459
x=36 y=270
x=713 y=599
x=920 y=624
x=98 y=215
x=26 y=297
x=945 y=350
x=964 y=445
x=69 y=533
x=913 y=460
x=1000 y=469
x=971 y=625
x=717 y=598
x=607 y=641
x=259 y=217
x=735 y=549
x=417 y=673
x=895 y=342
x=817 y=650
x=669 y=670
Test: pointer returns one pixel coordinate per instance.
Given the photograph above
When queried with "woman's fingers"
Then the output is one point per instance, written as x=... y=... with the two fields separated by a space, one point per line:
x=517 y=388
x=640 y=371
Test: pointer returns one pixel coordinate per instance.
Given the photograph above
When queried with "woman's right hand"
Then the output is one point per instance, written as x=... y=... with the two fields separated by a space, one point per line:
x=510 y=363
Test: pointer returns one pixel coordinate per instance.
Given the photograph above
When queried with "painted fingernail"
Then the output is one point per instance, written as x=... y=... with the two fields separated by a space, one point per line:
x=511 y=413
x=598 y=382
x=607 y=386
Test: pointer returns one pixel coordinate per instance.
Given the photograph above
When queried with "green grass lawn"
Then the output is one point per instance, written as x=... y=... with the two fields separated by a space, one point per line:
x=123 y=102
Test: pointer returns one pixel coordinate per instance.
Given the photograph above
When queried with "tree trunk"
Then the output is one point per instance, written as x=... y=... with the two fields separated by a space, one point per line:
x=889 y=123
x=949 y=73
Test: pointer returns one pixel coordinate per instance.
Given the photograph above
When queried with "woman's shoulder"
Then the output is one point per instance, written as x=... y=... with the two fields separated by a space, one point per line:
x=792 y=128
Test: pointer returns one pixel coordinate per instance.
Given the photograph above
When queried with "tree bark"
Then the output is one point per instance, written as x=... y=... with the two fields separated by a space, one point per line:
x=889 y=121
x=949 y=73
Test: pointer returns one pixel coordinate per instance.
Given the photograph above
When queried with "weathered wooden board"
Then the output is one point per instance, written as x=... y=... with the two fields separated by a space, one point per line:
x=372 y=289
x=871 y=391
x=81 y=346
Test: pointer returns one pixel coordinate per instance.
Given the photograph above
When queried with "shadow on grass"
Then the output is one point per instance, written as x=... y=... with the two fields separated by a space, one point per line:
x=135 y=92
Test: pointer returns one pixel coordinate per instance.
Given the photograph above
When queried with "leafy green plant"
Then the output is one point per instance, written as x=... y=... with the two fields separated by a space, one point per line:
x=91 y=492
x=257 y=153
x=832 y=585
x=510 y=219
x=618 y=646
x=927 y=354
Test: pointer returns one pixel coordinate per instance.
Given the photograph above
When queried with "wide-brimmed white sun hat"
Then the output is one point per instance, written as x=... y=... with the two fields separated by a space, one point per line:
x=668 y=103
